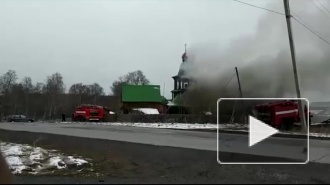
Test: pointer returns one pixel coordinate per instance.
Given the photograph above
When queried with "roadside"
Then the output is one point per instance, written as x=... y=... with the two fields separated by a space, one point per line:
x=316 y=130
x=122 y=162
x=25 y=159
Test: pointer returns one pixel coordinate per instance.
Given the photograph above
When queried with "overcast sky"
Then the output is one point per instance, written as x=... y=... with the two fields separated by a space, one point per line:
x=99 y=40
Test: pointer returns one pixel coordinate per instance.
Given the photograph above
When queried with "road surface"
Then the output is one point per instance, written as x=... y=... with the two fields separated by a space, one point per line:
x=291 y=148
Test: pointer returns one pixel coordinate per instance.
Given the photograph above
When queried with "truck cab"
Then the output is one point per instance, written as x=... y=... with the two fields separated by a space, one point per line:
x=90 y=113
x=281 y=115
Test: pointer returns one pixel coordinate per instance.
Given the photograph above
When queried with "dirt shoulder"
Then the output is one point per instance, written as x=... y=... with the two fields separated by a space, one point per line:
x=122 y=162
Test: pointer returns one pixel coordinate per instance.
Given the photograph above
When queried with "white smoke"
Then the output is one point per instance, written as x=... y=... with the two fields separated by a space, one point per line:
x=264 y=61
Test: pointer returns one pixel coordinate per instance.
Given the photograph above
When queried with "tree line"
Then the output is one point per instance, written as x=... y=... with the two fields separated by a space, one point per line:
x=49 y=99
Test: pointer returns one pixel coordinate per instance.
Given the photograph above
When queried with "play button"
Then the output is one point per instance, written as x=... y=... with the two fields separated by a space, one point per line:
x=253 y=140
x=259 y=131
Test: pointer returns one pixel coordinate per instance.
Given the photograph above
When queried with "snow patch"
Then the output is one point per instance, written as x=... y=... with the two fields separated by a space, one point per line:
x=319 y=135
x=147 y=110
x=24 y=158
x=15 y=164
x=57 y=162
x=164 y=125
x=78 y=162
x=37 y=154
x=183 y=126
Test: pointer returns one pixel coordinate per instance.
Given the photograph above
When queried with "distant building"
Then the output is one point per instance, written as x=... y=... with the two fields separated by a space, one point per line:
x=143 y=97
x=181 y=81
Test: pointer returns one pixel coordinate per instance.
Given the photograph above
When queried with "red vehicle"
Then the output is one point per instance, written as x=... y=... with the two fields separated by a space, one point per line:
x=90 y=113
x=281 y=115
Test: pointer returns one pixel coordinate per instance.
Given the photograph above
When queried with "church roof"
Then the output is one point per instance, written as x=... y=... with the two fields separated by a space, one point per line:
x=183 y=66
x=184 y=57
x=141 y=93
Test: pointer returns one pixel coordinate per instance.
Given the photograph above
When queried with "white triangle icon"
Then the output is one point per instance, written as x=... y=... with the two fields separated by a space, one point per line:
x=259 y=131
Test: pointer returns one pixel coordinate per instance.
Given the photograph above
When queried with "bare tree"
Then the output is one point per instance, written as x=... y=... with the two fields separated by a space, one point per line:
x=53 y=88
x=116 y=86
x=7 y=82
x=81 y=90
x=28 y=88
x=17 y=93
x=44 y=100
x=96 y=90
x=27 y=84
x=39 y=88
x=134 y=78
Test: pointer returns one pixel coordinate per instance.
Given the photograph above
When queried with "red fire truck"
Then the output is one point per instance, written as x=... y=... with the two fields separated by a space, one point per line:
x=281 y=114
x=90 y=113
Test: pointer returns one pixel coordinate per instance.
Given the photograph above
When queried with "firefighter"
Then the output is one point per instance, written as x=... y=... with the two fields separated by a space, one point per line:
x=63 y=117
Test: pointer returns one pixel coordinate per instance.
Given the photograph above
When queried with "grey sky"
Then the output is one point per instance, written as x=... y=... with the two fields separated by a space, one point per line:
x=98 y=41
x=264 y=60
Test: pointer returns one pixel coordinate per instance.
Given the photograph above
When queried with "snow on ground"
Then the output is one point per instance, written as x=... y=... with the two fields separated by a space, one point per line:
x=165 y=125
x=196 y=126
x=147 y=110
x=310 y=134
x=319 y=135
x=183 y=126
x=33 y=160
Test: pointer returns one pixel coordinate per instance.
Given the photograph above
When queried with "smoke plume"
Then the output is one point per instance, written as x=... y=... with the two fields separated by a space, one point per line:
x=264 y=60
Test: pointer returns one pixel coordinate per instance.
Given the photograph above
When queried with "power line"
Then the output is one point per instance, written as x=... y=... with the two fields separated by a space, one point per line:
x=229 y=81
x=318 y=8
x=308 y=27
x=259 y=7
x=324 y=6
x=312 y=31
x=299 y=21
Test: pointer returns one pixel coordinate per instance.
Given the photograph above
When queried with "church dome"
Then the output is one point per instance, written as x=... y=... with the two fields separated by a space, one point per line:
x=184 y=66
x=184 y=57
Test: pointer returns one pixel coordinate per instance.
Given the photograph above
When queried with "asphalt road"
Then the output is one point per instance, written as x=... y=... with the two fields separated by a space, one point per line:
x=289 y=148
x=133 y=162
x=126 y=162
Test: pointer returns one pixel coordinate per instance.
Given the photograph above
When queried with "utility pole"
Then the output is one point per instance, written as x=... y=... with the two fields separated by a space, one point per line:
x=293 y=56
x=239 y=83
x=241 y=94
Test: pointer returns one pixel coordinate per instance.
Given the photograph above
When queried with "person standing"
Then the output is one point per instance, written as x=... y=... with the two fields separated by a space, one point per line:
x=63 y=117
